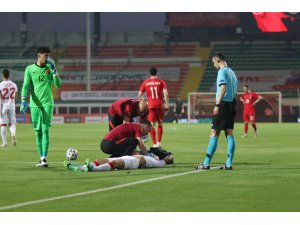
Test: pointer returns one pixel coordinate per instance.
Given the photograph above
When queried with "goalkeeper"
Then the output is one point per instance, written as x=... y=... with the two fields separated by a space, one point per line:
x=39 y=77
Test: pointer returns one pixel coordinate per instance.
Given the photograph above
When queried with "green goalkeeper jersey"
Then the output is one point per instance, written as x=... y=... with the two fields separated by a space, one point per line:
x=40 y=81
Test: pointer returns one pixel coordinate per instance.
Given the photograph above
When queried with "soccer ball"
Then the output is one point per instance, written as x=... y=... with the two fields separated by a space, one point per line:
x=72 y=154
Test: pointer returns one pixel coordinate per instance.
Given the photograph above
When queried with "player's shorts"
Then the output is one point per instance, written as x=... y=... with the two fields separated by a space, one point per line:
x=156 y=115
x=153 y=163
x=249 y=115
x=225 y=118
x=8 y=116
x=130 y=162
x=41 y=116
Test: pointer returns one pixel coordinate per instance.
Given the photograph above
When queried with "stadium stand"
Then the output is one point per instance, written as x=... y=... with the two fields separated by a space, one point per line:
x=253 y=56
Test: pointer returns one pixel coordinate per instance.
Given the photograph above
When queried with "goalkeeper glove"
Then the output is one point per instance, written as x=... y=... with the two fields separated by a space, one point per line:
x=52 y=65
x=24 y=106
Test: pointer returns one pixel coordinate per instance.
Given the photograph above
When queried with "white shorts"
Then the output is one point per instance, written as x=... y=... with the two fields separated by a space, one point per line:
x=129 y=161
x=153 y=163
x=8 y=116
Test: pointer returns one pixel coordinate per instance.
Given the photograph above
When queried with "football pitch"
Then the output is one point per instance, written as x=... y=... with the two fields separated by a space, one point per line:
x=265 y=175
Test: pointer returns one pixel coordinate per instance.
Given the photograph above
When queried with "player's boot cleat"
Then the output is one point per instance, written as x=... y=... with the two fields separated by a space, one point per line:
x=244 y=135
x=201 y=166
x=224 y=167
x=67 y=163
x=89 y=166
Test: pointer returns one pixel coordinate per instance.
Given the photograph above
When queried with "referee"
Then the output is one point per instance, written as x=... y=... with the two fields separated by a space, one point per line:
x=224 y=112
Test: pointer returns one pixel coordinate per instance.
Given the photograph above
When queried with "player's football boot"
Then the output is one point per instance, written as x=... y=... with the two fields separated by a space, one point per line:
x=72 y=166
x=244 y=135
x=224 y=167
x=201 y=166
x=256 y=133
x=42 y=163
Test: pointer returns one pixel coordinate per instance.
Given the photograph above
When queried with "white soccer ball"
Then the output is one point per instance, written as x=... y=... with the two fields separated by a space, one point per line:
x=72 y=154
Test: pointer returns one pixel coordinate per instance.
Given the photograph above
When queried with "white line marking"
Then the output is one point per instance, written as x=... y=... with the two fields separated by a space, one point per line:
x=99 y=190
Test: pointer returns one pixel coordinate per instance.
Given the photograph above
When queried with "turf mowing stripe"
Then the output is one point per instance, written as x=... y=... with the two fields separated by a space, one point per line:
x=99 y=190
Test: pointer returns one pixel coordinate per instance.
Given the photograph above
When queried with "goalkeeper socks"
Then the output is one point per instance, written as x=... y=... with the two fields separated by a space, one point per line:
x=230 y=148
x=38 y=140
x=153 y=135
x=103 y=167
x=3 y=133
x=245 y=128
x=45 y=139
x=254 y=126
x=212 y=146
x=159 y=132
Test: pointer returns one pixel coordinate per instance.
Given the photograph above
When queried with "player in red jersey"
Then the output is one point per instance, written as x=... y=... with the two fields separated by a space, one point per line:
x=157 y=92
x=249 y=99
x=125 y=109
x=124 y=139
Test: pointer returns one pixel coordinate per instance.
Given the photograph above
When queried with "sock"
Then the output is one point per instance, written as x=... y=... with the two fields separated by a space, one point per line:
x=159 y=132
x=45 y=139
x=246 y=128
x=103 y=167
x=212 y=146
x=254 y=126
x=13 y=129
x=38 y=140
x=3 y=133
x=153 y=135
x=230 y=148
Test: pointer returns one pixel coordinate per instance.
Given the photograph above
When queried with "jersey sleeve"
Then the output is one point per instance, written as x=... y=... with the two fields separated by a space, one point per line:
x=57 y=81
x=128 y=109
x=221 y=80
x=254 y=96
x=25 y=83
x=138 y=131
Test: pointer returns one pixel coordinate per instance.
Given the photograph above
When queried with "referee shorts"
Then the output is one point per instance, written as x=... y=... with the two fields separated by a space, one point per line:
x=225 y=118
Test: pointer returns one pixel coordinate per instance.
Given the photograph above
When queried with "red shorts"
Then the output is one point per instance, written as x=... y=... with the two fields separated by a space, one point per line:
x=156 y=115
x=249 y=115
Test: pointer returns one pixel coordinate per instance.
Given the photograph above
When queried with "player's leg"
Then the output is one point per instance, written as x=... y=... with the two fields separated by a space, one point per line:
x=3 y=135
x=36 y=118
x=3 y=123
x=13 y=127
x=212 y=147
x=230 y=138
x=46 y=124
x=152 y=119
x=253 y=124
x=159 y=118
x=246 y=122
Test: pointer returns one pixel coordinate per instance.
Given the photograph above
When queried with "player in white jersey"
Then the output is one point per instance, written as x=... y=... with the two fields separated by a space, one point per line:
x=8 y=90
x=121 y=163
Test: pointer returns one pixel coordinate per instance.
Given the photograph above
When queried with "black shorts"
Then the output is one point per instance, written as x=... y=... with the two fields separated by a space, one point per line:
x=225 y=118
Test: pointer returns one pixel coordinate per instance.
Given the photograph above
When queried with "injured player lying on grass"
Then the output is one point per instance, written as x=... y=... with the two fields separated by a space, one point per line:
x=121 y=163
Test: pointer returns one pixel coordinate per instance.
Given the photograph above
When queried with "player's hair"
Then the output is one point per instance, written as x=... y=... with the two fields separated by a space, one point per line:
x=43 y=50
x=246 y=86
x=153 y=71
x=146 y=122
x=219 y=55
x=5 y=73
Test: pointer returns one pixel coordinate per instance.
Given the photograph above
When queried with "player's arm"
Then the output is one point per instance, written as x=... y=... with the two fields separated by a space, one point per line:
x=26 y=82
x=257 y=100
x=140 y=95
x=166 y=97
x=127 y=112
x=142 y=146
x=56 y=78
x=223 y=89
x=241 y=99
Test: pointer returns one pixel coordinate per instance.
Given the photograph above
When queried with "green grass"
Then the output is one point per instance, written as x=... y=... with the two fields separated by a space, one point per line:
x=266 y=175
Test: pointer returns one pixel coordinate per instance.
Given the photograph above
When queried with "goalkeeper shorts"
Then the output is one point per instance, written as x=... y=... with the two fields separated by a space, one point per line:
x=41 y=115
